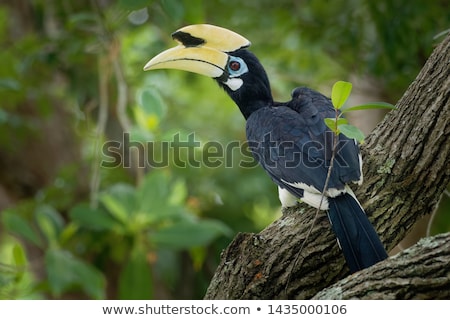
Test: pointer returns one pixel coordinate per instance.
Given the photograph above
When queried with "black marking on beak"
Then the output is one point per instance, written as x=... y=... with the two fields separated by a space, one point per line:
x=187 y=39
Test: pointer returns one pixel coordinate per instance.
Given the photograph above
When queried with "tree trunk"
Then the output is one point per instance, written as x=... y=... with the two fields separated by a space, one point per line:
x=406 y=169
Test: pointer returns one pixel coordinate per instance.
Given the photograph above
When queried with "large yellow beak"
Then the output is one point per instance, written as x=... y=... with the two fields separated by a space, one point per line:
x=203 y=49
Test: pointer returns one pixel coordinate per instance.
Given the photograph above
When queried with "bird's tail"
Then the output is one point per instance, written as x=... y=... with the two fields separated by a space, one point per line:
x=357 y=238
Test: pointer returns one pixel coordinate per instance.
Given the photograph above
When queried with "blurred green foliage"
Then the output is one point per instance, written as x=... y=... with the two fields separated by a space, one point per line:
x=71 y=80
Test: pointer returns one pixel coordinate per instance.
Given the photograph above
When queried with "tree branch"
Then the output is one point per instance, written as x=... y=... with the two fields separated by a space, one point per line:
x=406 y=170
x=420 y=272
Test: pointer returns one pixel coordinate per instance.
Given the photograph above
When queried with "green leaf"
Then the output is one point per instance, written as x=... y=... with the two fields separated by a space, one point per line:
x=65 y=272
x=135 y=280
x=179 y=193
x=20 y=260
x=331 y=123
x=351 y=132
x=153 y=193
x=50 y=222
x=18 y=225
x=151 y=110
x=69 y=232
x=340 y=92
x=152 y=103
x=145 y=121
x=368 y=106
x=94 y=219
x=120 y=201
x=188 y=234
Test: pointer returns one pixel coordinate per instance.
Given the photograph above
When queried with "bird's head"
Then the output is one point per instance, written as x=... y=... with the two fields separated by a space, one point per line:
x=222 y=55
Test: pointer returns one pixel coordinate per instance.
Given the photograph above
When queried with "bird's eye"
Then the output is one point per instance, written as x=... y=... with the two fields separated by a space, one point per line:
x=234 y=65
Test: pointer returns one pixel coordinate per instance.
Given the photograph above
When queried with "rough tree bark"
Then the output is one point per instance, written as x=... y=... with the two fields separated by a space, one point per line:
x=420 y=272
x=406 y=169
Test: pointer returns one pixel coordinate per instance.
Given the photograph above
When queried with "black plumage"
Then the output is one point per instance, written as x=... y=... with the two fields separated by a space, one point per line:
x=292 y=143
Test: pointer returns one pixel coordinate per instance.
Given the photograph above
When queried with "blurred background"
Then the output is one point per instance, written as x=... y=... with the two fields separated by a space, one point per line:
x=92 y=203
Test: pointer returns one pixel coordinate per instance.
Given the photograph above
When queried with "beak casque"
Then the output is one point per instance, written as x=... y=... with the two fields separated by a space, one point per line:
x=203 y=49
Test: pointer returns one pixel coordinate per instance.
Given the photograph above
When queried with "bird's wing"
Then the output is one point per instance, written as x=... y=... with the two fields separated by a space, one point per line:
x=293 y=144
x=348 y=159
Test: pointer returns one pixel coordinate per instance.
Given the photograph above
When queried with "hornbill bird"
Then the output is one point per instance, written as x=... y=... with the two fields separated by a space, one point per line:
x=289 y=139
